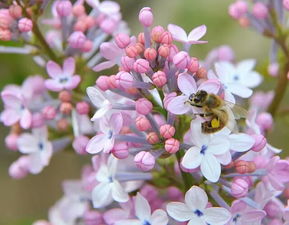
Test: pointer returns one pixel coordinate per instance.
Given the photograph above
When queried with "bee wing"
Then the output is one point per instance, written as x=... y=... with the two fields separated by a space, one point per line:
x=231 y=124
x=238 y=111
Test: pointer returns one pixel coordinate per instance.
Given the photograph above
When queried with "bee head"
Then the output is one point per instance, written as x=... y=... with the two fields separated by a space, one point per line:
x=198 y=98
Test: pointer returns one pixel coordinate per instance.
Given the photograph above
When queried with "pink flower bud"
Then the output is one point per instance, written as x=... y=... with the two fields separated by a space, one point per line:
x=273 y=69
x=159 y=78
x=274 y=209
x=122 y=40
x=265 y=121
x=87 y=46
x=63 y=8
x=168 y=98
x=225 y=53
x=102 y=83
x=252 y=167
x=146 y=16
x=78 y=10
x=65 y=96
x=156 y=33
x=181 y=60
x=260 y=142
x=173 y=51
x=131 y=51
x=11 y=141
x=124 y=80
x=82 y=108
x=65 y=108
x=149 y=192
x=167 y=131
x=25 y=25
x=166 y=38
x=19 y=168
x=89 y=21
x=141 y=38
x=49 y=112
x=152 y=138
x=142 y=123
x=5 y=19
x=127 y=63
x=92 y=217
x=77 y=39
x=193 y=65
x=5 y=35
x=260 y=10
x=120 y=150
x=144 y=161
x=141 y=66
x=150 y=54
x=164 y=51
x=143 y=106
x=239 y=188
x=108 y=25
x=62 y=124
x=37 y=120
x=172 y=145
x=202 y=73
x=174 y=194
x=15 y=11
x=79 y=144
x=242 y=166
x=80 y=25
x=112 y=82
x=286 y=4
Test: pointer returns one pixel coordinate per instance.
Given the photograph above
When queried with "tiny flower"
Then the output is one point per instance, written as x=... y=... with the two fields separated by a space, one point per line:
x=104 y=141
x=108 y=187
x=143 y=214
x=195 y=209
x=187 y=84
x=144 y=161
x=194 y=36
x=62 y=78
x=38 y=148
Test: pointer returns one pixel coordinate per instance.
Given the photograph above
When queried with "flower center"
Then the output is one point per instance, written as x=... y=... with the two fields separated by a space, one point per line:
x=146 y=223
x=198 y=213
x=203 y=149
x=40 y=146
x=236 y=77
x=63 y=80
x=109 y=134
x=235 y=219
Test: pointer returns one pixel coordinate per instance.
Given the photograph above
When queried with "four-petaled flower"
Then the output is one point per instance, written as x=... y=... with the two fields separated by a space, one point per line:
x=144 y=215
x=187 y=84
x=62 y=78
x=196 y=210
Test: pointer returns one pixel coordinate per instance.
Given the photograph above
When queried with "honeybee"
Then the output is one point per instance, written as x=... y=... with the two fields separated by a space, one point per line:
x=218 y=112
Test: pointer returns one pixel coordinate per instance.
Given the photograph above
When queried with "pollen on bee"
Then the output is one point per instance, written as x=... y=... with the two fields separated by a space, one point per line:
x=215 y=123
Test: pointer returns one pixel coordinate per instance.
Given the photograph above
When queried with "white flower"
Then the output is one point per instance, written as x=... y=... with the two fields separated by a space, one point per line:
x=38 y=147
x=205 y=151
x=144 y=216
x=195 y=209
x=108 y=188
x=237 y=80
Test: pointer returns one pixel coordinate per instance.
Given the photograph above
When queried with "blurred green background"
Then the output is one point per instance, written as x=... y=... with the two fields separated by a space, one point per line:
x=23 y=201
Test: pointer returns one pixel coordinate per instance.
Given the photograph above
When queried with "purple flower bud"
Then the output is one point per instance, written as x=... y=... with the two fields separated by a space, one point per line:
x=159 y=78
x=260 y=10
x=49 y=112
x=92 y=218
x=274 y=209
x=122 y=40
x=120 y=150
x=181 y=60
x=172 y=145
x=124 y=80
x=143 y=106
x=11 y=141
x=77 y=39
x=37 y=120
x=141 y=66
x=265 y=121
x=286 y=4
x=108 y=25
x=127 y=63
x=25 y=25
x=146 y=16
x=63 y=8
x=239 y=188
x=144 y=160
x=82 y=108
x=260 y=142
x=79 y=144
x=19 y=168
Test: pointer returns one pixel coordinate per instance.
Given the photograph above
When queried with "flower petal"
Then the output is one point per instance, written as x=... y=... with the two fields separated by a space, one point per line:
x=129 y=222
x=101 y=112
x=27 y=143
x=53 y=69
x=53 y=85
x=196 y=198
x=197 y=33
x=178 y=105
x=240 y=90
x=103 y=66
x=116 y=122
x=26 y=119
x=101 y=195
x=187 y=84
x=179 y=211
x=96 y=144
x=178 y=33
x=192 y=158
x=210 y=86
x=9 y=117
x=69 y=66
x=211 y=168
x=96 y=96
x=218 y=145
x=217 y=215
x=246 y=66
x=241 y=142
x=142 y=208
x=251 y=80
x=118 y=193
x=35 y=165
x=159 y=217
x=225 y=71
x=72 y=83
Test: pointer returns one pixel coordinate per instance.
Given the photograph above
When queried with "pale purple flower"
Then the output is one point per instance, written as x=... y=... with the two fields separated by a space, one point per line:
x=108 y=187
x=187 y=84
x=243 y=214
x=195 y=209
x=205 y=151
x=144 y=214
x=38 y=148
x=109 y=128
x=194 y=36
x=237 y=80
x=107 y=7
x=62 y=78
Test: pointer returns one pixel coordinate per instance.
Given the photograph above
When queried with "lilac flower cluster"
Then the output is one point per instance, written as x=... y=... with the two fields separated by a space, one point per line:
x=153 y=160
